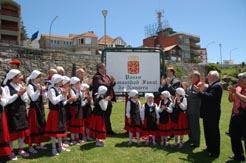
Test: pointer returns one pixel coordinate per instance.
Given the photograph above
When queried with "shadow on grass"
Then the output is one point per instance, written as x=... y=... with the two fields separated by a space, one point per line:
x=119 y=135
x=88 y=146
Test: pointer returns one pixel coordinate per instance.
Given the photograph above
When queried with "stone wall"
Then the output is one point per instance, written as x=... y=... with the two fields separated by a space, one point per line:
x=43 y=60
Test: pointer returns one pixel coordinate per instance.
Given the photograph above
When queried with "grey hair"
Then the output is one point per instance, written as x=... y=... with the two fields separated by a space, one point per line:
x=197 y=74
x=215 y=74
x=242 y=76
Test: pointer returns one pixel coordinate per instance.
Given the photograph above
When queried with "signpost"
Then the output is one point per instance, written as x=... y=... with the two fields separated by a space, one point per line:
x=135 y=68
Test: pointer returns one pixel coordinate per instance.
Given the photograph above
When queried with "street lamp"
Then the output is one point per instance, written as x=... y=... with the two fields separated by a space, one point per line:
x=212 y=42
x=231 y=51
x=220 y=54
x=105 y=12
x=50 y=29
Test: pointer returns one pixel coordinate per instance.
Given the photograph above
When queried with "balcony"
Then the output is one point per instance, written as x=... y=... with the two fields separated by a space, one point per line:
x=9 y=27
x=9 y=13
x=195 y=46
x=196 y=53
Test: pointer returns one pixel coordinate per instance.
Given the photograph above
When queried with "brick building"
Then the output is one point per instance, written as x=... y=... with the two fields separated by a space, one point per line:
x=10 y=26
x=169 y=39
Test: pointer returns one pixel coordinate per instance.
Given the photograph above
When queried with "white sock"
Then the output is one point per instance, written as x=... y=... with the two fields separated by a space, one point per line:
x=53 y=141
x=76 y=136
x=130 y=136
x=11 y=145
x=162 y=138
x=21 y=143
x=72 y=137
x=153 y=138
x=181 y=138
x=138 y=136
x=60 y=142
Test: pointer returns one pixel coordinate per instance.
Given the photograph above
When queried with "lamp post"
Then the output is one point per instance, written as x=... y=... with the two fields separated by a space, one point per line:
x=220 y=54
x=105 y=12
x=212 y=42
x=231 y=51
x=50 y=30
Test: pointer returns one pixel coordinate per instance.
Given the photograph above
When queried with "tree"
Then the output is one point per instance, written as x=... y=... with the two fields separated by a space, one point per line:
x=212 y=66
x=23 y=31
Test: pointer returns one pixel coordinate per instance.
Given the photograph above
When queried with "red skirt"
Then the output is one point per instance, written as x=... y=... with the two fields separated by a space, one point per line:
x=181 y=127
x=36 y=133
x=76 y=125
x=128 y=127
x=165 y=129
x=19 y=134
x=147 y=132
x=97 y=127
x=5 y=149
x=51 y=128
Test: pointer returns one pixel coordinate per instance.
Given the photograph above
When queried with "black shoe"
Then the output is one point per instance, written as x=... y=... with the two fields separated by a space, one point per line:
x=194 y=145
x=241 y=158
x=214 y=155
x=111 y=133
x=227 y=133
x=205 y=150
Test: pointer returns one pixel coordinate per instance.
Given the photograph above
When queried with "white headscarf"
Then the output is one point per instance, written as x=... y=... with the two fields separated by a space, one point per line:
x=66 y=79
x=101 y=91
x=74 y=80
x=56 y=78
x=133 y=93
x=10 y=75
x=180 y=91
x=33 y=75
x=148 y=95
x=84 y=86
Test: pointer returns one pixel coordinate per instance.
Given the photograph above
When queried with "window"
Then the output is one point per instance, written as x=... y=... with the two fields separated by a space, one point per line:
x=58 y=42
x=87 y=41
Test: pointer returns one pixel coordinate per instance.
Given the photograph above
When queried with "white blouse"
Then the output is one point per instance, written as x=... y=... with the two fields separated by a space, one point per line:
x=17 y=87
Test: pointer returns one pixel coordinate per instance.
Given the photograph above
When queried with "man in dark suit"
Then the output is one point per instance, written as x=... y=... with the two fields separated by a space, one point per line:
x=210 y=112
x=100 y=78
x=170 y=83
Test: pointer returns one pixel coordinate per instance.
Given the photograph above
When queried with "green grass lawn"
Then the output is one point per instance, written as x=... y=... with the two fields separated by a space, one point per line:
x=116 y=149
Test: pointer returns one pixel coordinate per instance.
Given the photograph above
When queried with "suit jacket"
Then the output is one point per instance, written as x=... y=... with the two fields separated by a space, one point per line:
x=98 y=80
x=174 y=84
x=193 y=102
x=211 y=100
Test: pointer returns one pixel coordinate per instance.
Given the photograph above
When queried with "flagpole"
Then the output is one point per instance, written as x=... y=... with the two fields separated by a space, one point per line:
x=50 y=30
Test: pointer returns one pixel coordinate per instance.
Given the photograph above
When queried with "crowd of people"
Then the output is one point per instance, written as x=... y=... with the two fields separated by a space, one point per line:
x=82 y=107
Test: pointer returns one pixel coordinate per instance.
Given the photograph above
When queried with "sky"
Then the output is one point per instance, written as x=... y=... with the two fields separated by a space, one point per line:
x=215 y=21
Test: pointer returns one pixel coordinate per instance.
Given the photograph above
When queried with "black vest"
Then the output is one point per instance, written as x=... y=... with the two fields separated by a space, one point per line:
x=176 y=111
x=77 y=105
x=150 y=116
x=87 y=110
x=97 y=109
x=135 y=114
x=58 y=106
x=38 y=105
x=164 y=115
x=16 y=113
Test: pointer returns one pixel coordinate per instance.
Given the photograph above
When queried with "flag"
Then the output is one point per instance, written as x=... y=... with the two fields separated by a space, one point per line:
x=34 y=36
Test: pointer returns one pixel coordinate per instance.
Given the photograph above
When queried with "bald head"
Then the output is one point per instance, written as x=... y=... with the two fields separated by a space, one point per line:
x=80 y=73
x=52 y=71
x=60 y=70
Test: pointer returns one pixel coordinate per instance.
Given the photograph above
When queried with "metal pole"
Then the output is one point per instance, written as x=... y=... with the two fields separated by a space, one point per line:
x=50 y=30
x=207 y=48
x=220 y=55
x=105 y=40
x=231 y=51
x=105 y=12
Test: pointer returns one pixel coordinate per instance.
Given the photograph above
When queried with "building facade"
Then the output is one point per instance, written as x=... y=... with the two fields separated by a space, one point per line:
x=188 y=44
x=85 y=43
x=10 y=26
x=203 y=57
x=118 y=42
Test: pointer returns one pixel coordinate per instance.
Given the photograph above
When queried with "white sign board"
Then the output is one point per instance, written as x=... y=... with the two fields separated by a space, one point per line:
x=134 y=70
